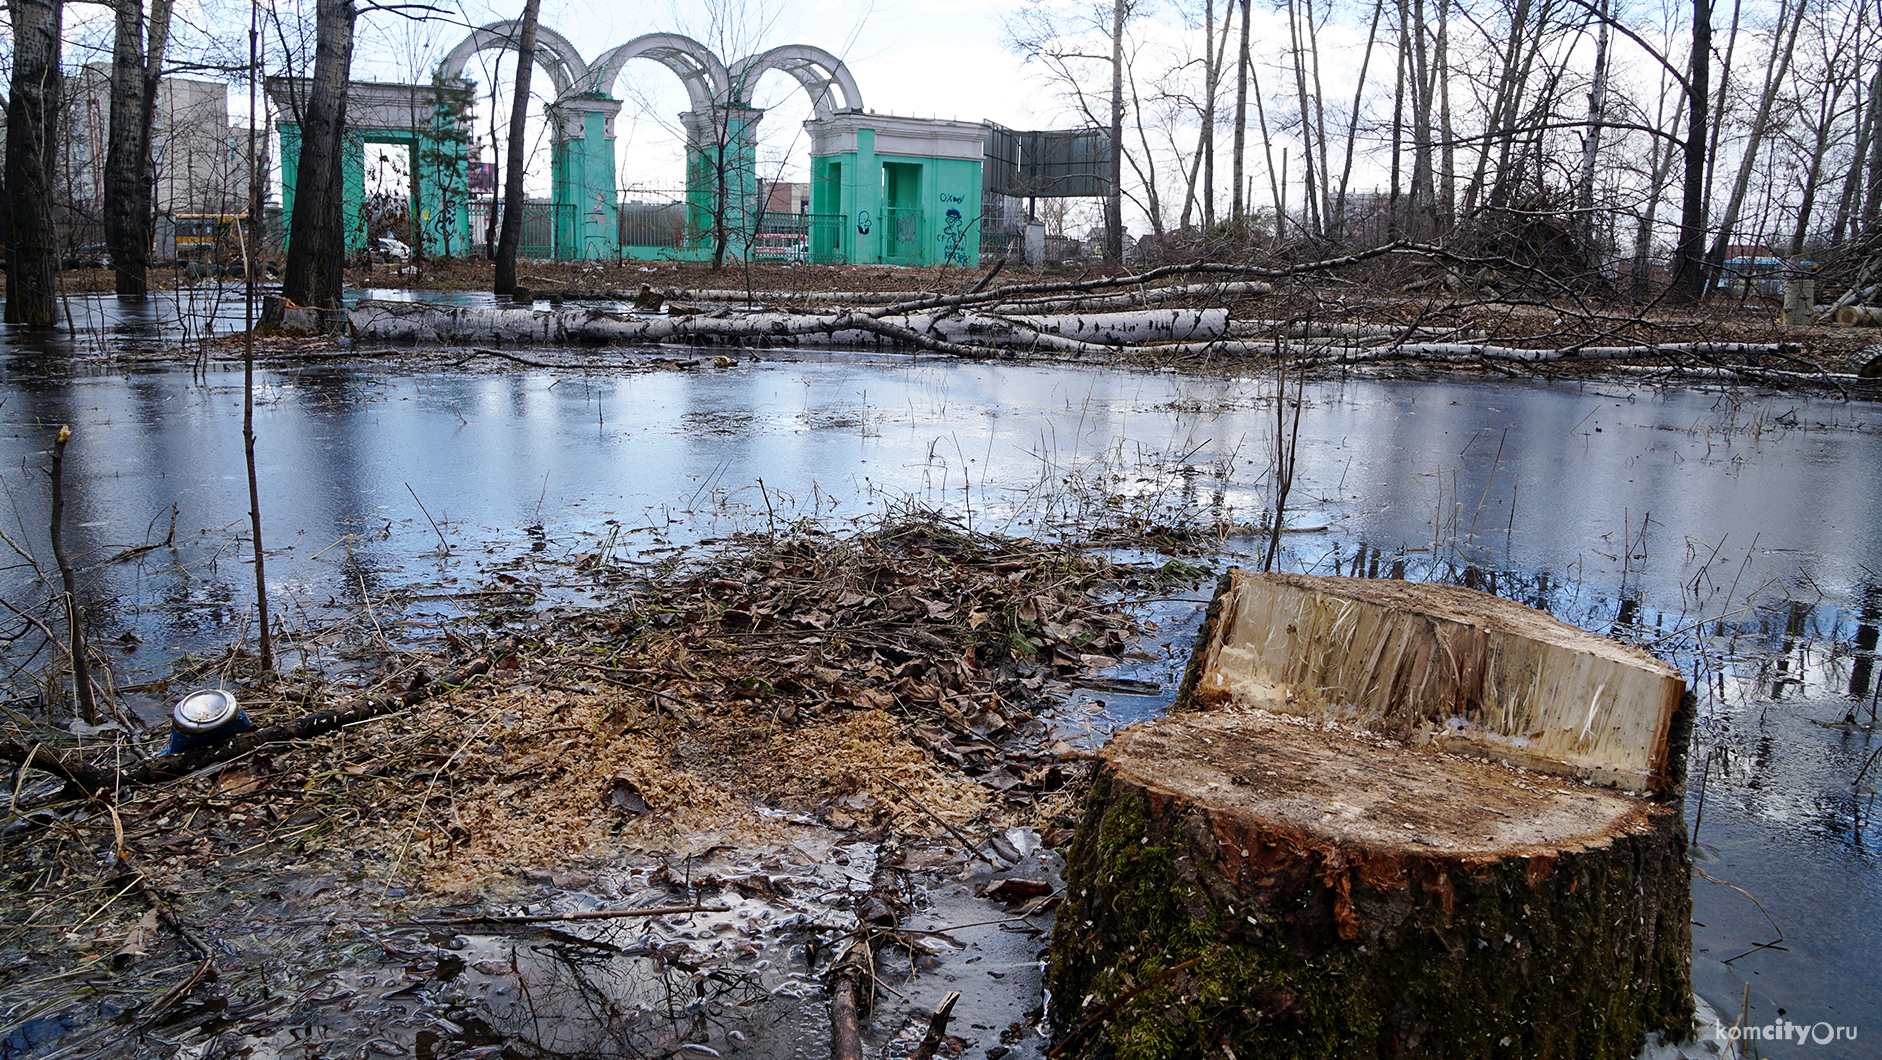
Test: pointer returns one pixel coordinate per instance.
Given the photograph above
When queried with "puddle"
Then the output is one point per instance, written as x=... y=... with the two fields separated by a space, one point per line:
x=734 y=964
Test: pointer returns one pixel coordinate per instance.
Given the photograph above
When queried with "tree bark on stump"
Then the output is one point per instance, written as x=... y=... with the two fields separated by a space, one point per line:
x=1270 y=874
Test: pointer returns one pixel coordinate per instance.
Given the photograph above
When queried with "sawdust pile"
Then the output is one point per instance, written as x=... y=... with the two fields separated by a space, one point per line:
x=879 y=683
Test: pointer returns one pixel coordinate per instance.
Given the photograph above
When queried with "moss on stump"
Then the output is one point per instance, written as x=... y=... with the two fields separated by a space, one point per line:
x=1254 y=884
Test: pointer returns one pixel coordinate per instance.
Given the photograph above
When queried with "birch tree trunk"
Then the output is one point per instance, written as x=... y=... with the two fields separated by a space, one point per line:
x=1597 y=110
x=1114 y=196
x=32 y=138
x=1236 y=206
x=130 y=177
x=1784 y=45
x=511 y=239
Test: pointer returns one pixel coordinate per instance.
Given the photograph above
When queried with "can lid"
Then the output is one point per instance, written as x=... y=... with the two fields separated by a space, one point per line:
x=204 y=710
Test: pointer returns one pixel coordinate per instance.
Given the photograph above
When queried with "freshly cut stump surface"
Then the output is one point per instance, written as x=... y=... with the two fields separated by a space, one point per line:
x=1254 y=882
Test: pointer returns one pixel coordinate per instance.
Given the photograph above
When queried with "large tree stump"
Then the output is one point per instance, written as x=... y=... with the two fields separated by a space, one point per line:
x=1371 y=830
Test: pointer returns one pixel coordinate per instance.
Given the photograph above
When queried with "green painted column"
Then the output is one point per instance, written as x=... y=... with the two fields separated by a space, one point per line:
x=353 y=180
x=442 y=211
x=865 y=213
x=829 y=204
x=582 y=174
x=353 y=236
x=955 y=194
x=290 y=172
x=721 y=150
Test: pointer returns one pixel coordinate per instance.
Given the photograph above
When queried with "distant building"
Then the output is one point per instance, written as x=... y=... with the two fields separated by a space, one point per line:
x=787 y=197
x=201 y=158
x=1756 y=268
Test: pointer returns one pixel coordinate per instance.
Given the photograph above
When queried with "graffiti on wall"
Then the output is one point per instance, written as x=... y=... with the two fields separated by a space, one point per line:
x=953 y=234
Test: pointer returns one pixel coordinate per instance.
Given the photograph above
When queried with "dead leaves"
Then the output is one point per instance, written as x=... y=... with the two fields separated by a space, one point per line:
x=863 y=682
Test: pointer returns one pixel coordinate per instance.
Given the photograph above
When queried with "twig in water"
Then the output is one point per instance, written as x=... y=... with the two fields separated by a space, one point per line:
x=1776 y=943
x=1699 y=815
x=771 y=515
x=442 y=543
x=551 y=918
x=81 y=664
x=1860 y=773
x=138 y=550
x=938 y=1026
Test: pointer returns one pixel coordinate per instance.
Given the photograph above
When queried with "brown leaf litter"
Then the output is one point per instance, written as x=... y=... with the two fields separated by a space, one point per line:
x=875 y=683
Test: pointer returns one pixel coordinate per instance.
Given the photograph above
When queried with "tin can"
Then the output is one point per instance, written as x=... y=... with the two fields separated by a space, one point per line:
x=204 y=718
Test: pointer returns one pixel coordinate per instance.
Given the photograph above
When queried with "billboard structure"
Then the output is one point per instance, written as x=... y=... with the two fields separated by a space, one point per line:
x=1047 y=164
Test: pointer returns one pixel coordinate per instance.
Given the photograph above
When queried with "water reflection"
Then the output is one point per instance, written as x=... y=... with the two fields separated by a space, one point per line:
x=1720 y=530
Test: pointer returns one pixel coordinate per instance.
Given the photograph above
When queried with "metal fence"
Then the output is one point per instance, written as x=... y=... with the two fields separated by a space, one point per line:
x=544 y=228
x=901 y=235
x=824 y=231
x=660 y=222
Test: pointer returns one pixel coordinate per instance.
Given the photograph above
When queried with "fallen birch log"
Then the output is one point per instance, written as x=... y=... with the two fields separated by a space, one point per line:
x=423 y=323
x=1860 y=316
x=1867 y=362
x=1302 y=329
x=1856 y=294
x=1376 y=825
x=1145 y=298
x=1467 y=352
x=1149 y=296
x=728 y=296
x=1109 y=329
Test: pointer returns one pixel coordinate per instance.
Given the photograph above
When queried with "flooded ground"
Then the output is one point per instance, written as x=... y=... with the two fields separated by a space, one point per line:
x=1738 y=533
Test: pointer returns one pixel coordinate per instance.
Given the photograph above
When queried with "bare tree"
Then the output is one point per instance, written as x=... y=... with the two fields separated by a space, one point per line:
x=1337 y=213
x=1114 y=197
x=317 y=241
x=1597 y=110
x=1068 y=52
x=510 y=239
x=130 y=170
x=1688 y=283
x=1243 y=69
x=32 y=133
x=1784 y=46
x=1865 y=114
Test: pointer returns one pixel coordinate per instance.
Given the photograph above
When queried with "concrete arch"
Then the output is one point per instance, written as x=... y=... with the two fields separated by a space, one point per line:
x=557 y=57
x=698 y=69
x=815 y=69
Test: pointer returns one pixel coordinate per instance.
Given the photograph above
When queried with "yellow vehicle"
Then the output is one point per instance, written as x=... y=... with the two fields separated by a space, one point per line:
x=217 y=233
